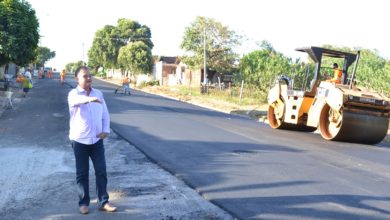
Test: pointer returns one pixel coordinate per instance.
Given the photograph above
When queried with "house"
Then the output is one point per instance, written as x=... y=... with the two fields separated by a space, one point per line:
x=163 y=67
x=172 y=71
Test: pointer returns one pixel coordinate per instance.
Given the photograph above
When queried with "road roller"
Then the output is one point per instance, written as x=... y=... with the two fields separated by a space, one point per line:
x=341 y=111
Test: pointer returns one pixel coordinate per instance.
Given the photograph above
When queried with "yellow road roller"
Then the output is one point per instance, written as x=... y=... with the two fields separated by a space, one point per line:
x=340 y=110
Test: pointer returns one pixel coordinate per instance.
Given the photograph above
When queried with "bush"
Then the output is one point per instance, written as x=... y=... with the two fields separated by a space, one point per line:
x=102 y=74
x=149 y=83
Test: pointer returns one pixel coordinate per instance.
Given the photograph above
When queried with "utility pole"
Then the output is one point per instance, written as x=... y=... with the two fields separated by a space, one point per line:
x=204 y=56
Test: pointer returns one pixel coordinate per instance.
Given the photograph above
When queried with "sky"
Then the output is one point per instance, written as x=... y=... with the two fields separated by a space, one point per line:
x=68 y=26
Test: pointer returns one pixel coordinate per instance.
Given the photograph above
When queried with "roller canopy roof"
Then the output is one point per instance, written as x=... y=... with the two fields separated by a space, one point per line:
x=316 y=54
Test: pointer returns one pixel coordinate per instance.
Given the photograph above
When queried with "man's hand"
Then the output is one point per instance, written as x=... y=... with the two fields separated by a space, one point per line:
x=92 y=99
x=102 y=135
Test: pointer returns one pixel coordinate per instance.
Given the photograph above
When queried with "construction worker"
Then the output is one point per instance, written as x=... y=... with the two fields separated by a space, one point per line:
x=62 y=77
x=40 y=73
x=338 y=74
x=125 y=85
x=50 y=74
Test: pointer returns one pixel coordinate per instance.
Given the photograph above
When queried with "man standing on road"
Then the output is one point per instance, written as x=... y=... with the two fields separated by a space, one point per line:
x=62 y=77
x=27 y=83
x=89 y=125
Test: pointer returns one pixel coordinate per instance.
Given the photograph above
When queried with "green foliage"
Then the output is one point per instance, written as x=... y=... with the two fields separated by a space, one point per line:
x=103 y=52
x=101 y=73
x=18 y=32
x=136 y=57
x=109 y=40
x=220 y=42
x=44 y=54
x=259 y=68
x=373 y=71
x=131 y=31
x=149 y=83
x=71 y=67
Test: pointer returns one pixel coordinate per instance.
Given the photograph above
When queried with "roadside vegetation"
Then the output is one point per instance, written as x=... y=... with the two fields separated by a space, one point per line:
x=19 y=35
x=18 y=32
x=127 y=46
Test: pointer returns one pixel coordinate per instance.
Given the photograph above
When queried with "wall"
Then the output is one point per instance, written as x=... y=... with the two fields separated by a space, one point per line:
x=11 y=70
x=192 y=78
x=115 y=74
x=158 y=72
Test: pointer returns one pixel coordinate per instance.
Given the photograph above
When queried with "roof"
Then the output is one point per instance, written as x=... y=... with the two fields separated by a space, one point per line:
x=316 y=53
x=168 y=60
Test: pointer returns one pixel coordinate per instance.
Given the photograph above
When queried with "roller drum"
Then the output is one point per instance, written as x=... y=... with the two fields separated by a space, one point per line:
x=353 y=127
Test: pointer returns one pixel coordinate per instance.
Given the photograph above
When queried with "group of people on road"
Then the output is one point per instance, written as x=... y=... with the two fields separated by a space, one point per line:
x=25 y=79
x=42 y=73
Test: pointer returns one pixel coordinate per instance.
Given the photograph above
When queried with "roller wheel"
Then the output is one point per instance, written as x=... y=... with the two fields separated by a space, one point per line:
x=352 y=127
x=330 y=123
x=275 y=115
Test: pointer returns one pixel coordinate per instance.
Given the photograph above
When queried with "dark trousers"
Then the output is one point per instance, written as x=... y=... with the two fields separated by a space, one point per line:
x=82 y=154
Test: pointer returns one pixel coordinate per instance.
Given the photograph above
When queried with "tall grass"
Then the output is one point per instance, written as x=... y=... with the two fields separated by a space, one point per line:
x=250 y=95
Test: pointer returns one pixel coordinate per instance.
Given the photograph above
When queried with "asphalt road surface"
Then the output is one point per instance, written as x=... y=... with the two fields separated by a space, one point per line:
x=250 y=170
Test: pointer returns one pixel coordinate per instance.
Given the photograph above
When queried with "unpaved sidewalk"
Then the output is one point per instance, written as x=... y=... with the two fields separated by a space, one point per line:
x=39 y=184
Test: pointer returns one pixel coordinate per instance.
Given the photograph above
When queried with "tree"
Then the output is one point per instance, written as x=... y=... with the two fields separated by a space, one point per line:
x=103 y=52
x=18 y=32
x=220 y=42
x=109 y=40
x=372 y=71
x=44 y=54
x=136 y=57
x=128 y=31
x=260 y=67
x=71 y=67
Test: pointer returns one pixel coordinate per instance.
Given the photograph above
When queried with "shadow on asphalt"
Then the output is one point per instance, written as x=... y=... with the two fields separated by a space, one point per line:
x=197 y=168
x=198 y=171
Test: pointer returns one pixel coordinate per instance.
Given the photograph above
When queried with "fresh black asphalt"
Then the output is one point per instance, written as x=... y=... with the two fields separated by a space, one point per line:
x=251 y=170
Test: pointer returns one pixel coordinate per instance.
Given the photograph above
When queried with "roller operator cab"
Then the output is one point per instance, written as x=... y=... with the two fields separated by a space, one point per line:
x=342 y=111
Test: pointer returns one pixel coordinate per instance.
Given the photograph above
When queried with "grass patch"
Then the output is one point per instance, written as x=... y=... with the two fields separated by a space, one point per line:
x=251 y=102
x=231 y=95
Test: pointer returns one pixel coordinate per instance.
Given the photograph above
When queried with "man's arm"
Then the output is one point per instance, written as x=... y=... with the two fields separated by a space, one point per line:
x=75 y=99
